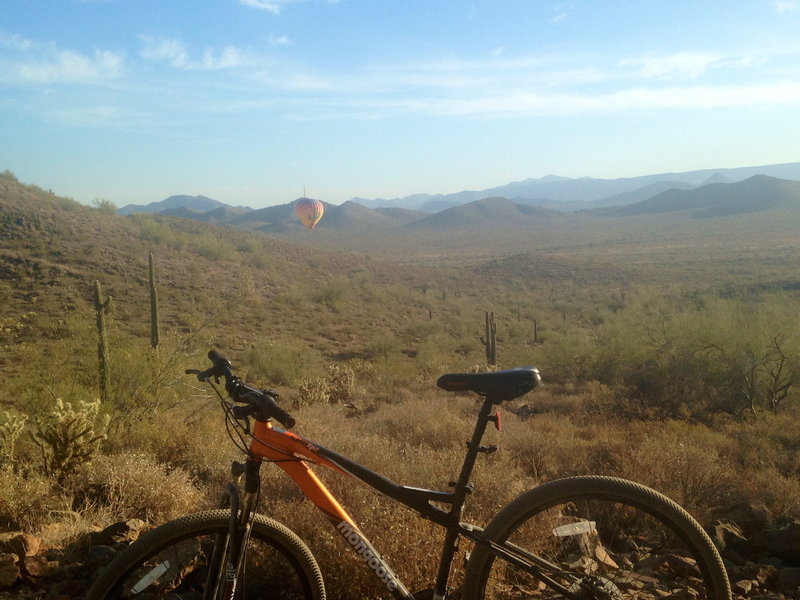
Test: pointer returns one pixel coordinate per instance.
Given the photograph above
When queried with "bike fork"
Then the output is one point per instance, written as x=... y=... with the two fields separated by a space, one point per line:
x=226 y=564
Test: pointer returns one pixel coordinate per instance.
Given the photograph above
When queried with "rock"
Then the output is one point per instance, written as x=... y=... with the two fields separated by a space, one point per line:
x=9 y=571
x=37 y=567
x=783 y=543
x=789 y=580
x=122 y=531
x=743 y=587
x=729 y=540
x=683 y=565
x=21 y=544
x=774 y=561
x=759 y=572
x=100 y=556
x=684 y=594
x=750 y=517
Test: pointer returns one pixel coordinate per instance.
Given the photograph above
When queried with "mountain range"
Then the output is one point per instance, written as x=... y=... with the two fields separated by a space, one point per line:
x=699 y=194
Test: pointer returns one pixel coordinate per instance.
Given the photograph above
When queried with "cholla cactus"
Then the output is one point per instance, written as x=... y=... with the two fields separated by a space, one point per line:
x=313 y=390
x=341 y=382
x=11 y=428
x=69 y=435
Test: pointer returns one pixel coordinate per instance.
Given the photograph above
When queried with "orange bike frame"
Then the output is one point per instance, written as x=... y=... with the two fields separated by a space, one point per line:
x=293 y=454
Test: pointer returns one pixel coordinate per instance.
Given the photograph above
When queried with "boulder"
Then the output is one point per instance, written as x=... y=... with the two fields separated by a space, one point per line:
x=9 y=571
x=750 y=517
x=783 y=543
x=21 y=544
x=120 y=532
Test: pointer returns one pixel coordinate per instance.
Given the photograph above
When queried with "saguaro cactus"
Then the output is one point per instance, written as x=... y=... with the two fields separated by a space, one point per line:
x=155 y=335
x=102 y=308
x=490 y=341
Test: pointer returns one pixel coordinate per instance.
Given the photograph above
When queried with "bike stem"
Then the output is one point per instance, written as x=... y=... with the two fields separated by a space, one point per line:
x=462 y=489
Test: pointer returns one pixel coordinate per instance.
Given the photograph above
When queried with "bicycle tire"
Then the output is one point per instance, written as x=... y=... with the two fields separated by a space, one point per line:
x=173 y=556
x=603 y=537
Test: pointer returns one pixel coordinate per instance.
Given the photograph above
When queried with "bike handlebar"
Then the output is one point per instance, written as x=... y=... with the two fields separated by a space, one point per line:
x=262 y=404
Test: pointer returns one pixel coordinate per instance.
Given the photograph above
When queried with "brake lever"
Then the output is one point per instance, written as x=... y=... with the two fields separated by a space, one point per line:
x=242 y=413
x=203 y=376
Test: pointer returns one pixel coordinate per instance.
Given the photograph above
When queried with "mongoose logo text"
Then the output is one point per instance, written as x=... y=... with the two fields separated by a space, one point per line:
x=368 y=554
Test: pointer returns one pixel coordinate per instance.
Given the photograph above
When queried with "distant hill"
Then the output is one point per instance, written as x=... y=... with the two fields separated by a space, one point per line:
x=575 y=194
x=641 y=194
x=757 y=194
x=485 y=214
x=199 y=204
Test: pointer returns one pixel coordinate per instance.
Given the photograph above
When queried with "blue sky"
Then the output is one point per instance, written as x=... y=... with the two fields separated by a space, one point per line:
x=253 y=101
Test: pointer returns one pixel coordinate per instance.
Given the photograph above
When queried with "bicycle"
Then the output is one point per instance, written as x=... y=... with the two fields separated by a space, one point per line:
x=586 y=537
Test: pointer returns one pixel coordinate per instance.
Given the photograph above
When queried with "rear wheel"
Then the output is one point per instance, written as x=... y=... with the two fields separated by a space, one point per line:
x=172 y=561
x=596 y=538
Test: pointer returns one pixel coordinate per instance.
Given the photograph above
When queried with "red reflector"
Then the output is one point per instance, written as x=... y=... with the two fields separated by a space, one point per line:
x=497 y=424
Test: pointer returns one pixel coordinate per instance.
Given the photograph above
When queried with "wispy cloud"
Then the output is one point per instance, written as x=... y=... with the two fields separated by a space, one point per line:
x=15 y=42
x=28 y=61
x=171 y=51
x=67 y=66
x=278 y=40
x=561 y=12
x=784 y=6
x=532 y=104
x=176 y=54
x=680 y=64
x=273 y=6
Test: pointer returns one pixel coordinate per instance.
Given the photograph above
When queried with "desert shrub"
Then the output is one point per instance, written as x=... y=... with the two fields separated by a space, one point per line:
x=69 y=435
x=104 y=206
x=195 y=440
x=152 y=230
x=9 y=175
x=133 y=484
x=145 y=379
x=381 y=346
x=544 y=447
x=330 y=295
x=777 y=491
x=685 y=462
x=212 y=247
x=282 y=361
x=24 y=498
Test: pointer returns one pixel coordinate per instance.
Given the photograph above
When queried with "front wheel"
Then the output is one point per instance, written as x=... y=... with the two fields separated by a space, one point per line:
x=595 y=538
x=171 y=561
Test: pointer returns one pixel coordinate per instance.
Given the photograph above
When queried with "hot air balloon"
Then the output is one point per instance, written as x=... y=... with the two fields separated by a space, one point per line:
x=309 y=211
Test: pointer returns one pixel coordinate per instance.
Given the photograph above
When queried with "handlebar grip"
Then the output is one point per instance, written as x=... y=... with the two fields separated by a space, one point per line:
x=280 y=415
x=219 y=361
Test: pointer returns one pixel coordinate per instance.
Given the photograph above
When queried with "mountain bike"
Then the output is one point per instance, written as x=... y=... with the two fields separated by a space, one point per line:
x=586 y=537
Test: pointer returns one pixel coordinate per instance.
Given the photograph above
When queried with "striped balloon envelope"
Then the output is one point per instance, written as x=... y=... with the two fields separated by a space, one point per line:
x=309 y=211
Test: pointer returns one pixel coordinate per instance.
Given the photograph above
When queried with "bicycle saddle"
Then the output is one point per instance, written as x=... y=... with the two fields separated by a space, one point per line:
x=497 y=386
